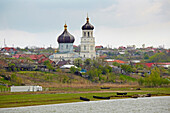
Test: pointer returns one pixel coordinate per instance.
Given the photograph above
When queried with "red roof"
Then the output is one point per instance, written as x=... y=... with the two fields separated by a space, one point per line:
x=103 y=56
x=8 y=48
x=168 y=63
x=75 y=46
x=149 y=64
x=121 y=47
x=118 y=61
x=45 y=59
x=99 y=47
x=33 y=57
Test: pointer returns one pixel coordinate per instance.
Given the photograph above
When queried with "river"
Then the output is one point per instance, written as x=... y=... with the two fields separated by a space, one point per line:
x=131 y=105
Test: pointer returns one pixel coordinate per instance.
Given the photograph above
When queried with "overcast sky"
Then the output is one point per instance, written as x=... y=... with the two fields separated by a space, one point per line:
x=116 y=22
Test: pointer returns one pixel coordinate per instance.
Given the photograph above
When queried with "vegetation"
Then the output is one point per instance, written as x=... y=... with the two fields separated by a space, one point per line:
x=42 y=98
x=48 y=64
x=159 y=57
x=74 y=69
x=154 y=79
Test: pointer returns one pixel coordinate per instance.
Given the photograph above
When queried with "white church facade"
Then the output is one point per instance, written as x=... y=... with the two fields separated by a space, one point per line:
x=87 y=47
x=66 y=40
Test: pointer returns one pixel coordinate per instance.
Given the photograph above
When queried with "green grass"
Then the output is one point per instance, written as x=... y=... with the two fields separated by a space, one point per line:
x=128 y=78
x=31 y=98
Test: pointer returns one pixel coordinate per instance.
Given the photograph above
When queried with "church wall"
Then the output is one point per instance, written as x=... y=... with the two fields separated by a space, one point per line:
x=65 y=47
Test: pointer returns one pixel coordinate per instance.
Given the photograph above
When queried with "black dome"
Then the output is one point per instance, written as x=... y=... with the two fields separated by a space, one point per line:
x=65 y=37
x=87 y=26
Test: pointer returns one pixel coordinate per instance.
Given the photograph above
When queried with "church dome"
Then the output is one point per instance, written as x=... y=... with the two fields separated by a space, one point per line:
x=65 y=37
x=87 y=26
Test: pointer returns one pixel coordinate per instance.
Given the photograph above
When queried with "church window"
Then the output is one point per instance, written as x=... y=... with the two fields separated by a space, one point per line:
x=84 y=33
x=66 y=46
x=91 y=47
x=88 y=34
x=84 y=55
x=61 y=46
x=84 y=47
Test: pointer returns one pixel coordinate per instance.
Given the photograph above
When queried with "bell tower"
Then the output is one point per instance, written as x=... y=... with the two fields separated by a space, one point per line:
x=87 y=48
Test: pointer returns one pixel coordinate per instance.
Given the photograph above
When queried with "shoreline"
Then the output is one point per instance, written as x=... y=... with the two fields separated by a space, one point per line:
x=19 y=99
x=83 y=102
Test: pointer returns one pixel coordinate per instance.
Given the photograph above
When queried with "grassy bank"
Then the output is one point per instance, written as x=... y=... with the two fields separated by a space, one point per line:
x=8 y=99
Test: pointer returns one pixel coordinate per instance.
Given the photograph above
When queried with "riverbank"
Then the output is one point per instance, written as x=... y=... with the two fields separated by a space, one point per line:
x=69 y=95
x=148 y=105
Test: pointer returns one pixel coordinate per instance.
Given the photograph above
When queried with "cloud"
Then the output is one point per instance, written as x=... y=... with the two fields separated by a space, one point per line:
x=151 y=35
x=116 y=22
x=23 y=39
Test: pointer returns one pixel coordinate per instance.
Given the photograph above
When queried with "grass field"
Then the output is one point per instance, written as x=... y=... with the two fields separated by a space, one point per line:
x=8 y=99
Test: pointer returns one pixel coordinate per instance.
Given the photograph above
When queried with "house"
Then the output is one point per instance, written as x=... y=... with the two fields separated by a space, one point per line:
x=110 y=61
x=99 y=47
x=122 y=48
x=8 y=50
x=61 y=63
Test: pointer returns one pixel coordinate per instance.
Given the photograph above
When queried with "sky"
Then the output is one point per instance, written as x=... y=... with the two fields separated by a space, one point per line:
x=116 y=22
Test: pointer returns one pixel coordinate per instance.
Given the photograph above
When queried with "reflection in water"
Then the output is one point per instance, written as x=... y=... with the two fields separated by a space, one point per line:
x=140 y=105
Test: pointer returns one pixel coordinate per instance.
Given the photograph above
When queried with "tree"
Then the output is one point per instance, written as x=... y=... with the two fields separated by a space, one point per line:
x=159 y=57
x=48 y=64
x=146 y=56
x=88 y=62
x=11 y=67
x=77 y=62
x=127 y=68
x=116 y=64
x=74 y=69
x=154 y=79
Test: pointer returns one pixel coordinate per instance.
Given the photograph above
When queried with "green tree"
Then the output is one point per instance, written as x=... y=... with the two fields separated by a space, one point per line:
x=159 y=57
x=116 y=64
x=127 y=68
x=154 y=79
x=77 y=62
x=48 y=64
x=88 y=62
x=146 y=56
x=11 y=67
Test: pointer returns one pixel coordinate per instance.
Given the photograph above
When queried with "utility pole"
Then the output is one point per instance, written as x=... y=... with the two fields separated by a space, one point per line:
x=4 y=43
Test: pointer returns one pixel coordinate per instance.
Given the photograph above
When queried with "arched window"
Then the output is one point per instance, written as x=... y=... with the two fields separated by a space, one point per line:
x=66 y=46
x=88 y=34
x=84 y=55
x=84 y=47
x=61 y=46
x=84 y=33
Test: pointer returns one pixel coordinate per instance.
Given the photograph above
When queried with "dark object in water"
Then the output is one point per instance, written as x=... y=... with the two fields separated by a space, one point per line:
x=85 y=99
x=105 y=87
x=121 y=93
x=101 y=97
x=138 y=88
x=148 y=95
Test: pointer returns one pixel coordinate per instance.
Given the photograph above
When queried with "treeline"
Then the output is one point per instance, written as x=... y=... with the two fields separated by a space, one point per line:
x=154 y=79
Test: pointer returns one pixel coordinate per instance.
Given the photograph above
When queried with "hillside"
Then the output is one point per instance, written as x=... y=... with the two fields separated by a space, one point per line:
x=44 y=79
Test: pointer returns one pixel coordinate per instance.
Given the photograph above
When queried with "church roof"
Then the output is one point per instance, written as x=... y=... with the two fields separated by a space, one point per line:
x=87 y=25
x=65 y=37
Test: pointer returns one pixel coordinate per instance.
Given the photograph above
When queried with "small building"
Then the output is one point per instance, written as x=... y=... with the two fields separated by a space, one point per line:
x=25 y=88
x=11 y=50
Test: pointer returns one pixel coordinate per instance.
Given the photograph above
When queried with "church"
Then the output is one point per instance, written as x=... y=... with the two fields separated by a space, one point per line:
x=66 y=40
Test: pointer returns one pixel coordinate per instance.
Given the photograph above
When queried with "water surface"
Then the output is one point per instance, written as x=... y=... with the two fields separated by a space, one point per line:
x=140 y=105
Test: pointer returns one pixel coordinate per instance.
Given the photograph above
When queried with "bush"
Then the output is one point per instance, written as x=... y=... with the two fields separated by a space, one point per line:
x=154 y=79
